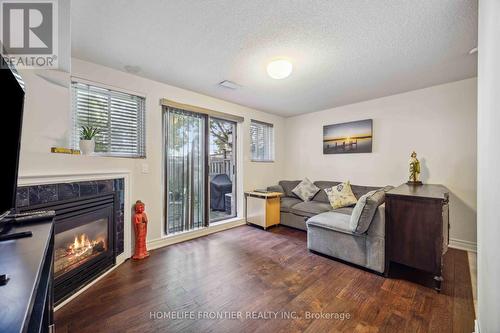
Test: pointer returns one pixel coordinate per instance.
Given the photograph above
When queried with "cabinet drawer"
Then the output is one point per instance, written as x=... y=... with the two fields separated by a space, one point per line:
x=415 y=232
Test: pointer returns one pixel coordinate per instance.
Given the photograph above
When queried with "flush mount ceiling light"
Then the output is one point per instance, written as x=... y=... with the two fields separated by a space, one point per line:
x=279 y=69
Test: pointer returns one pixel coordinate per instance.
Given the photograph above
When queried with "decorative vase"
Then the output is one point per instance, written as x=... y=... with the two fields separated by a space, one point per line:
x=87 y=146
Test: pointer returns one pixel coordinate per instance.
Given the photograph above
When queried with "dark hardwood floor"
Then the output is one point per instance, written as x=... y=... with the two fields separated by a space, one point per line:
x=249 y=271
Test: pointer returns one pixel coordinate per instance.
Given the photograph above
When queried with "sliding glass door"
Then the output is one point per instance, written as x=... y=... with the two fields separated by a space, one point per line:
x=186 y=160
x=222 y=169
x=200 y=170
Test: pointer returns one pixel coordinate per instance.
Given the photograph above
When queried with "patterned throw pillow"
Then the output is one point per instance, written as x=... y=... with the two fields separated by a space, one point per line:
x=305 y=190
x=341 y=195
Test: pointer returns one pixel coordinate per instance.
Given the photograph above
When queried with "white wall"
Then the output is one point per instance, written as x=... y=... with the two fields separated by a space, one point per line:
x=488 y=187
x=439 y=123
x=47 y=123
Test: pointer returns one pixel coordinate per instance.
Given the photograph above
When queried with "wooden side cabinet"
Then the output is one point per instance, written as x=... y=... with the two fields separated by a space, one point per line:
x=417 y=228
x=262 y=209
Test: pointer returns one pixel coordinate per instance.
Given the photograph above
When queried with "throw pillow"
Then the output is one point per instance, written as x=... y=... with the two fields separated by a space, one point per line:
x=364 y=211
x=358 y=211
x=288 y=186
x=341 y=195
x=305 y=190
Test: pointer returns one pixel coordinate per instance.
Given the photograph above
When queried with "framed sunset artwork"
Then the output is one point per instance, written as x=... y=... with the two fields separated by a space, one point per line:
x=348 y=138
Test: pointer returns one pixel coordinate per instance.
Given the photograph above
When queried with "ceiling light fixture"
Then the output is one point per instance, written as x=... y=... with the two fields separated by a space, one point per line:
x=279 y=69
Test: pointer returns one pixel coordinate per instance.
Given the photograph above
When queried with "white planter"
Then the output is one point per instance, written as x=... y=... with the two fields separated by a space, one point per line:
x=87 y=147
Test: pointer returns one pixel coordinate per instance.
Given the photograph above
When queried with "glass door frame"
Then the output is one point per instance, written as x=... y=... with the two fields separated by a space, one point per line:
x=234 y=154
x=206 y=185
x=206 y=215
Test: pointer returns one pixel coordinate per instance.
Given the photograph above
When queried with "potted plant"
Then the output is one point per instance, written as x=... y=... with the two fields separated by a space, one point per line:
x=87 y=141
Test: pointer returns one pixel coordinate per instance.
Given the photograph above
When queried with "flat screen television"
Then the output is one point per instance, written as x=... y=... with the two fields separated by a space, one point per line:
x=11 y=103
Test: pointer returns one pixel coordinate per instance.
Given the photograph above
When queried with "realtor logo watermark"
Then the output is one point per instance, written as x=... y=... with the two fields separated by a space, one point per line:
x=29 y=33
x=248 y=315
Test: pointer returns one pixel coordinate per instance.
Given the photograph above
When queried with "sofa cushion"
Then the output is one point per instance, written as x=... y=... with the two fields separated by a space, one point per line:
x=360 y=190
x=293 y=220
x=310 y=208
x=288 y=186
x=321 y=195
x=365 y=209
x=305 y=190
x=341 y=195
x=344 y=210
x=287 y=203
x=360 y=213
x=331 y=221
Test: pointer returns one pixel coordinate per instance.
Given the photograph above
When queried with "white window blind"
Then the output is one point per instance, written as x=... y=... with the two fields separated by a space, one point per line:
x=120 y=118
x=262 y=141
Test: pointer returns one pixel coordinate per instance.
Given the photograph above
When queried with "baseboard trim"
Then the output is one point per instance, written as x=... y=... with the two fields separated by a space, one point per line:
x=463 y=245
x=169 y=240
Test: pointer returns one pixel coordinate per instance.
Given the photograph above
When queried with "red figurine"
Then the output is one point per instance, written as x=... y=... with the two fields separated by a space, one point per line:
x=141 y=229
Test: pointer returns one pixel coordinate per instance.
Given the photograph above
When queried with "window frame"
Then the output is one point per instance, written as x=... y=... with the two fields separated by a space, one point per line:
x=75 y=134
x=272 y=145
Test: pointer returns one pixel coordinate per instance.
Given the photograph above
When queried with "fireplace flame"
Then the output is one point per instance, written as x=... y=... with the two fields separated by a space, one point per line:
x=82 y=244
x=72 y=253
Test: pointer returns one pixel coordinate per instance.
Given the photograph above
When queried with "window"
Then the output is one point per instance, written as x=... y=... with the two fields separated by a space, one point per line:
x=262 y=141
x=120 y=118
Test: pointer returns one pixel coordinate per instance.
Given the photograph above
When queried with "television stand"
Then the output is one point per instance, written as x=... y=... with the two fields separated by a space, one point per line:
x=15 y=235
x=27 y=268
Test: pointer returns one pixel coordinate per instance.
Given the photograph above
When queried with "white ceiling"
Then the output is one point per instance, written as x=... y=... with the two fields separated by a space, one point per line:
x=343 y=51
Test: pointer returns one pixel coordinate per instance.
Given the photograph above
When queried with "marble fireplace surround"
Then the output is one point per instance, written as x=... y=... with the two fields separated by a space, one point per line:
x=84 y=182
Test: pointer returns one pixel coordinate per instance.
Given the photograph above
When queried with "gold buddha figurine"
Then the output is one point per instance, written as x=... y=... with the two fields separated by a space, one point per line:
x=414 y=170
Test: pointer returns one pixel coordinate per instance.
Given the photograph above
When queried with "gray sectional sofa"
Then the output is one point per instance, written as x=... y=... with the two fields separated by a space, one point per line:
x=328 y=230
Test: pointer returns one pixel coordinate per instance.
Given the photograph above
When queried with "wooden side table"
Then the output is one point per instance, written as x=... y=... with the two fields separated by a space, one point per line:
x=417 y=227
x=262 y=209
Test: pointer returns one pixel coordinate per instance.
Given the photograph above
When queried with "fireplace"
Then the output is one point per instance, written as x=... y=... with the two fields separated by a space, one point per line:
x=77 y=246
x=84 y=241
